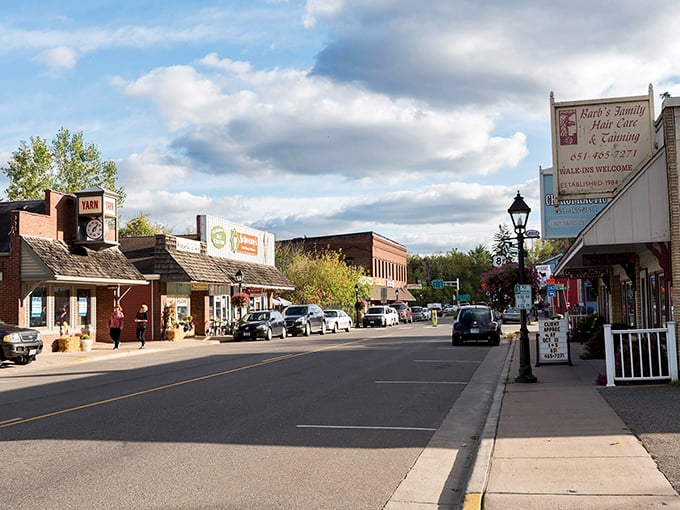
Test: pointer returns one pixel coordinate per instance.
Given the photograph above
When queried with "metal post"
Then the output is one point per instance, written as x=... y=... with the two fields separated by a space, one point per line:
x=525 y=375
x=356 y=305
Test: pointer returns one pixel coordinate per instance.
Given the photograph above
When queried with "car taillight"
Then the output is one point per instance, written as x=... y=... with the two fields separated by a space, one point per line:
x=457 y=325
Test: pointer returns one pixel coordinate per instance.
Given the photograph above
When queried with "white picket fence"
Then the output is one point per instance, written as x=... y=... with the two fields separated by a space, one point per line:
x=640 y=354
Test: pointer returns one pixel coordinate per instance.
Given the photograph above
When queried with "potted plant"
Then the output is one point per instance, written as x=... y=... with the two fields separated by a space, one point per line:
x=86 y=342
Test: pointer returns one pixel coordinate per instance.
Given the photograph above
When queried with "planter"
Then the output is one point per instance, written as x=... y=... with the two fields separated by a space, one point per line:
x=68 y=344
x=86 y=344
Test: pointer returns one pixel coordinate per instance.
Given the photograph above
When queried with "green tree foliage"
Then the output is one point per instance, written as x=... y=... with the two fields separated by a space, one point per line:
x=141 y=225
x=499 y=283
x=454 y=265
x=68 y=165
x=322 y=278
x=504 y=243
x=539 y=250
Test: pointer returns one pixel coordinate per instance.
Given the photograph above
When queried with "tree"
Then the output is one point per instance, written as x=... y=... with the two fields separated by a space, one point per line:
x=504 y=243
x=141 y=226
x=541 y=250
x=499 y=283
x=323 y=278
x=68 y=165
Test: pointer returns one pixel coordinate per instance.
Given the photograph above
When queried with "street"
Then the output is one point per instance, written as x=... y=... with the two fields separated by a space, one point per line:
x=334 y=421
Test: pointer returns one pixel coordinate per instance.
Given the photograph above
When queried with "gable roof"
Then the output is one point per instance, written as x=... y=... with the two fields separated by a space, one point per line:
x=45 y=259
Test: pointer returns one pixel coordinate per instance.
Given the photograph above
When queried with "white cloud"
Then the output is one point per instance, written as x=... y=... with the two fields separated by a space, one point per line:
x=59 y=58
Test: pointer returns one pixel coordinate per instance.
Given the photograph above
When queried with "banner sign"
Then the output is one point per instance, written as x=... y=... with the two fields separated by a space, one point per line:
x=230 y=240
x=573 y=214
x=598 y=144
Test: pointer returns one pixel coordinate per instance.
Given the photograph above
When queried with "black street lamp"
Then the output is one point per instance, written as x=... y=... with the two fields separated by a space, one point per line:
x=519 y=212
x=239 y=280
x=356 y=304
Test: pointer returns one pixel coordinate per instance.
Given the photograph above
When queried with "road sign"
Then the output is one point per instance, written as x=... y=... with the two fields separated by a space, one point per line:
x=532 y=234
x=551 y=290
x=498 y=260
x=438 y=284
x=463 y=298
x=523 y=296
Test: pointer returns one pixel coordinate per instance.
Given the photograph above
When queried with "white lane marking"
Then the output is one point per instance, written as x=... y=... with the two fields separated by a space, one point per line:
x=419 y=382
x=363 y=427
x=444 y=361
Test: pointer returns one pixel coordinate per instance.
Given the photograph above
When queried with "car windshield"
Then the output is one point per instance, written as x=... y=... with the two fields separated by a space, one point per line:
x=257 y=316
x=376 y=309
x=330 y=313
x=296 y=310
x=481 y=315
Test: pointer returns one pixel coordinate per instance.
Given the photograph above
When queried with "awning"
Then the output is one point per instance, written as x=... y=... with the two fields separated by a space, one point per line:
x=378 y=291
x=53 y=260
x=637 y=216
x=279 y=301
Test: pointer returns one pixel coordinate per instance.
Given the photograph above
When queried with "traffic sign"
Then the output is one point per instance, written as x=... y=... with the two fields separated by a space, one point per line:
x=551 y=290
x=498 y=260
x=532 y=234
x=438 y=284
x=523 y=296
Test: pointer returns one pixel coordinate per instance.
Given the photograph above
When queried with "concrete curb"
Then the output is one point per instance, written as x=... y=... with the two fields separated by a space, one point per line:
x=474 y=492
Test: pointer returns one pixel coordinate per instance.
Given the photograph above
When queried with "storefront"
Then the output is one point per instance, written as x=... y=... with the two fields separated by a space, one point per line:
x=194 y=278
x=56 y=274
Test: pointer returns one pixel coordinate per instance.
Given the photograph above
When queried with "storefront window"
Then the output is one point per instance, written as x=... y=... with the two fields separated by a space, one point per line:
x=38 y=307
x=62 y=296
x=83 y=311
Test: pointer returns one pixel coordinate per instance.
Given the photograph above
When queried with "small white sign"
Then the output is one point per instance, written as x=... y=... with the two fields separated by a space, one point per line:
x=498 y=260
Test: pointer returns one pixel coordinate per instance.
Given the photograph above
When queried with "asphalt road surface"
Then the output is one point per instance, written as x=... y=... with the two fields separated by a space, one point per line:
x=332 y=422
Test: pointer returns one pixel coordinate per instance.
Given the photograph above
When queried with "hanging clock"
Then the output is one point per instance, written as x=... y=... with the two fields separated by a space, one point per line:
x=94 y=229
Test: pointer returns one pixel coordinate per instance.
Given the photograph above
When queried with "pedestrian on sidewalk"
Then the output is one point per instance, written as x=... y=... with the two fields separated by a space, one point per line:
x=116 y=325
x=142 y=319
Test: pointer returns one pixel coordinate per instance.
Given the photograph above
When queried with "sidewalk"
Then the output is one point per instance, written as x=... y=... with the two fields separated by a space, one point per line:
x=103 y=350
x=558 y=444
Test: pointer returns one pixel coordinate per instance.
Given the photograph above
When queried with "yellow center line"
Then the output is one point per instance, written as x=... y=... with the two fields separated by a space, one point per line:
x=19 y=421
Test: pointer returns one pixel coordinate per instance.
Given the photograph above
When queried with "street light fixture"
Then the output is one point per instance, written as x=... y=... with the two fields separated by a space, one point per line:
x=239 y=280
x=519 y=213
x=356 y=304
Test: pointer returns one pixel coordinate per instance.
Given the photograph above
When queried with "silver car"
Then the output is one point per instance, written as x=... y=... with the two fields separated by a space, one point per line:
x=337 y=320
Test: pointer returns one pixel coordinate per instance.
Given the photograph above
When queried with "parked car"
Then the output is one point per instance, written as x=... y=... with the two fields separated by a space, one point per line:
x=337 y=320
x=403 y=310
x=418 y=313
x=380 y=316
x=20 y=345
x=475 y=322
x=261 y=324
x=511 y=314
x=305 y=319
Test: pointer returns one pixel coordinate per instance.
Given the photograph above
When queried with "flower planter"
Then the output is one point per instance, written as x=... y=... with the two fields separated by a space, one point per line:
x=86 y=344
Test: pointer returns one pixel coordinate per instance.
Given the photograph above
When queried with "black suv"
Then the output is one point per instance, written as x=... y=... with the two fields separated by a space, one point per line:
x=305 y=319
x=20 y=345
x=475 y=322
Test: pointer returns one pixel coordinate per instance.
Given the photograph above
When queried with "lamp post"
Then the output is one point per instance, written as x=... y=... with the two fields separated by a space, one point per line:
x=239 y=280
x=356 y=304
x=519 y=213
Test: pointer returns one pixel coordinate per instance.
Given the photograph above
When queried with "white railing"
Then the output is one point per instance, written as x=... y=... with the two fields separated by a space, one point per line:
x=640 y=354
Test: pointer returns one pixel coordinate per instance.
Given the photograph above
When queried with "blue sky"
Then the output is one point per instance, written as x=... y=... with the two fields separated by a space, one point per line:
x=417 y=120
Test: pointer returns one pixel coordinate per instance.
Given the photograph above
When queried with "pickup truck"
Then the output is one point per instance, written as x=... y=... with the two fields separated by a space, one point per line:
x=20 y=345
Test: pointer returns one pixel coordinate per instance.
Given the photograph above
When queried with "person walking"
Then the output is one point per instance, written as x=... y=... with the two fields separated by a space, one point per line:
x=116 y=320
x=142 y=319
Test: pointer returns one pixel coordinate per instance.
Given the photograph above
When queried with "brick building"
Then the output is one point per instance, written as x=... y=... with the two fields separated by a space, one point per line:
x=59 y=263
x=383 y=259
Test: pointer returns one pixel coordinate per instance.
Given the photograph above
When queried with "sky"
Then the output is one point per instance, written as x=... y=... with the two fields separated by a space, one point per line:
x=419 y=121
